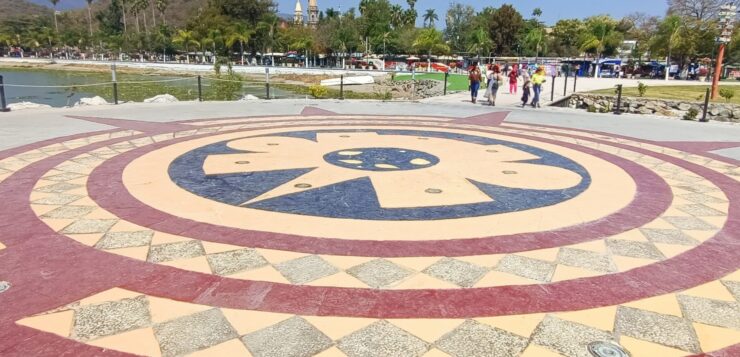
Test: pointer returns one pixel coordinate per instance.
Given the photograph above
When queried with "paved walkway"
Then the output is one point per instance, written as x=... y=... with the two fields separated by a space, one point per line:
x=508 y=100
x=289 y=228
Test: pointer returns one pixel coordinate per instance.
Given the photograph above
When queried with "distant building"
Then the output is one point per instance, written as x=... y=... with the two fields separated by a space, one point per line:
x=298 y=13
x=313 y=13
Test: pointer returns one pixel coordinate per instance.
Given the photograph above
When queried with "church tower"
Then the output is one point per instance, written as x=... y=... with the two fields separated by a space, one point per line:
x=313 y=13
x=298 y=13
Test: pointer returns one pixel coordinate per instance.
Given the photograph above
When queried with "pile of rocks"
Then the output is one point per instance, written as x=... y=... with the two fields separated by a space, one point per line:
x=669 y=108
x=425 y=88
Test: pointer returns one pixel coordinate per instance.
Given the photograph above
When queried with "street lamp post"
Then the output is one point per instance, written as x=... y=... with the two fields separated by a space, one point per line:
x=727 y=22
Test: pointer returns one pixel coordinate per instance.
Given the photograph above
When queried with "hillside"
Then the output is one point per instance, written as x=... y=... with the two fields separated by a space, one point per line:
x=177 y=12
x=12 y=9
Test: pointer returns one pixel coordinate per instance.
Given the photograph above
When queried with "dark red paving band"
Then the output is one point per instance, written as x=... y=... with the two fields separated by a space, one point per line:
x=653 y=197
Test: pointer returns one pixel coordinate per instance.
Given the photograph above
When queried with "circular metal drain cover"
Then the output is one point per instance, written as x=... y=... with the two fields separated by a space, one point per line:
x=4 y=286
x=606 y=349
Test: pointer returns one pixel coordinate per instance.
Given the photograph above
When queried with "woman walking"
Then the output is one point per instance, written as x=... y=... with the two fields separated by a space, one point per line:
x=513 y=78
x=537 y=80
x=526 y=87
x=494 y=81
x=474 y=78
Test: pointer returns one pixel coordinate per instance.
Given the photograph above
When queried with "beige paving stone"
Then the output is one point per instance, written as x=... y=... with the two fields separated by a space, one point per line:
x=138 y=253
x=435 y=353
x=199 y=264
x=497 y=278
x=345 y=262
x=522 y=325
x=549 y=255
x=332 y=352
x=429 y=330
x=266 y=273
x=340 y=279
x=600 y=318
x=417 y=264
x=712 y=338
x=735 y=276
x=672 y=250
x=564 y=272
x=488 y=261
x=126 y=226
x=279 y=256
x=58 y=323
x=213 y=248
x=338 y=327
x=226 y=349
x=714 y=290
x=627 y=263
x=114 y=294
x=422 y=281
x=598 y=246
x=247 y=321
x=41 y=210
x=139 y=342
x=89 y=239
x=162 y=310
x=644 y=348
x=663 y=304
x=165 y=238
x=57 y=224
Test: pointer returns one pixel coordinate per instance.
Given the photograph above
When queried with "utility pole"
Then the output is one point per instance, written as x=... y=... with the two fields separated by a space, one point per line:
x=727 y=16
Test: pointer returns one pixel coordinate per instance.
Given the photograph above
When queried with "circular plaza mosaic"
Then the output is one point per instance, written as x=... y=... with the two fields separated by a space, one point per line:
x=382 y=221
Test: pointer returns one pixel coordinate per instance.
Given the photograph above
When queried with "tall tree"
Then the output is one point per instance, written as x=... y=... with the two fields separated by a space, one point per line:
x=537 y=13
x=601 y=37
x=250 y=11
x=238 y=33
x=668 y=37
x=565 y=36
x=430 y=16
x=697 y=9
x=504 y=26
x=185 y=39
x=480 y=42
x=430 y=41
x=89 y=15
x=162 y=7
x=459 y=22
x=54 y=5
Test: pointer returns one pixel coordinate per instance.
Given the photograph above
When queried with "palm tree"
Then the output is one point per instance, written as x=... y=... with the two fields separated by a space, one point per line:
x=429 y=17
x=241 y=35
x=268 y=24
x=185 y=38
x=668 y=35
x=601 y=31
x=411 y=3
x=480 y=42
x=430 y=41
x=54 y=4
x=537 y=12
x=89 y=15
x=535 y=38
x=396 y=16
x=123 y=11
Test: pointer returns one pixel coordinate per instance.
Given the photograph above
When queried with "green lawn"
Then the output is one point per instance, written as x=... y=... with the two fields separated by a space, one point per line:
x=692 y=93
x=455 y=82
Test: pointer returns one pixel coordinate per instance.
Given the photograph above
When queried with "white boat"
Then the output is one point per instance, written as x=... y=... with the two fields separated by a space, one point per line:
x=348 y=81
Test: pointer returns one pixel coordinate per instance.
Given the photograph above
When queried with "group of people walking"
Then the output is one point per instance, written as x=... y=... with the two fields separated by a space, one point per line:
x=494 y=78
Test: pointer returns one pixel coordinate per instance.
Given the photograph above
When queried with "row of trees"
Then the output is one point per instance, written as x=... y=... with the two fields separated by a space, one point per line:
x=224 y=27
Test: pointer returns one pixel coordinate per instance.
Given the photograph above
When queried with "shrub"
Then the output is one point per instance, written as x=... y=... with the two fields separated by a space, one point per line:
x=642 y=88
x=317 y=91
x=592 y=109
x=727 y=93
x=691 y=114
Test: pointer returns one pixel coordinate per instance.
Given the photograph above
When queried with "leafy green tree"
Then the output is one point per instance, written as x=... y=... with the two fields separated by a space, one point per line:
x=185 y=39
x=111 y=19
x=504 y=26
x=459 y=22
x=668 y=36
x=601 y=37
x=238 y=33
x=536 y=40
x=565 y=36
x=480 y=42
x=251 y=11
x=430 y=41
x=54 y=6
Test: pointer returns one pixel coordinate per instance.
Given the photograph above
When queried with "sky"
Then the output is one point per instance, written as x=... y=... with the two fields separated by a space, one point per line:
x=552 y=10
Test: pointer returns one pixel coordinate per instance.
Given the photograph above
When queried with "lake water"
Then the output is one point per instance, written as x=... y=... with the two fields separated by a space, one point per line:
x=63 y=88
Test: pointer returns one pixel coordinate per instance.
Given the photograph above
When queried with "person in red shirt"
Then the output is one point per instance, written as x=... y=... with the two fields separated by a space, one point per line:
x=513 y=77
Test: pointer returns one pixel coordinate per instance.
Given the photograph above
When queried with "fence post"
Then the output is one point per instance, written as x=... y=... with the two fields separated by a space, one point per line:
x=565 y=86
x=115 y=84
x=3 y=103
x=552 y=91
x=617 y=109
x=447 y=74
x=341 y=86
x=267 y=81
x=200 y=90
x=575 y=81
x=706 y=107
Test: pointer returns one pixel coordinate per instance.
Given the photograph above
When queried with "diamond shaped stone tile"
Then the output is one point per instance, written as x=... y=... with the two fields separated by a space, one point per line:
x=65 y=176
x=292 y=337
x=456 y=271
x=61 y=199
x=110 y=318
x=698 y=188
x=690 y=223
x=567 y=338
x=700 y=210
x=58 y=187
x=663 y=329
x=306 y=269
x=86 y=226
x=686 y=178
x=69 y=212
x=734 y=287
x=476 y=339
x=701 y=198
x=634 y=249
x=585 y=259
x=173 y=251
x=382 y=339
x=235 y=261
x=193 y=332
x=668 y=236
x=711 y=312
x=113 y=240
x=379 y=273
x=526 y=267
